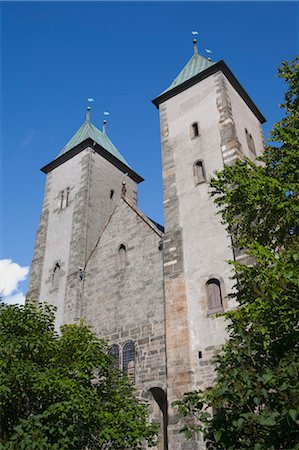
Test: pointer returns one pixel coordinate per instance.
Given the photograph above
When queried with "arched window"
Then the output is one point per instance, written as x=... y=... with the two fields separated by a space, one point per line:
x=214 y=297
x=114 y=351
x=122 y=257
x=199 y=172
x=129 y=359
x=56 y=276
x=194 y=130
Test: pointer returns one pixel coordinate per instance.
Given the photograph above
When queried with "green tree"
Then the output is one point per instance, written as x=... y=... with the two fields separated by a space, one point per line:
x=255 y=396
x=60 y=391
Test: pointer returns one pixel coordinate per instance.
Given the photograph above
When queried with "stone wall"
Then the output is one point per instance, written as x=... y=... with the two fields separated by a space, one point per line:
x=179 y=373
x=126 y=303
x=37 y=264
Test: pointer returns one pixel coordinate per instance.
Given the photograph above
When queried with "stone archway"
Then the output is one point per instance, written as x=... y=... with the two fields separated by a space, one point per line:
x=158 y=402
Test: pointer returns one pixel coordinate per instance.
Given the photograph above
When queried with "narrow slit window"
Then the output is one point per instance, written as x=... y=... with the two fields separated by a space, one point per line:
x=250 y=142
x=67 y=197
x=194 y=130
x=214 y=297
x=64 y=198
x=252 y=146
x=56 y=276
x=122 y=256
x=199 y=172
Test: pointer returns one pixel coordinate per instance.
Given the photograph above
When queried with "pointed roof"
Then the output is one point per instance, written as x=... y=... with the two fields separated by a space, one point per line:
x=90 y=136
x=197 y=69
x=194 y=66
x=88 y=130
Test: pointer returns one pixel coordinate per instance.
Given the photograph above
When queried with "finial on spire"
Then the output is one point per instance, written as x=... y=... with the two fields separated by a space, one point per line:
x=88 y=114
x=104 y=126
x=195 y=47
x=106 y=113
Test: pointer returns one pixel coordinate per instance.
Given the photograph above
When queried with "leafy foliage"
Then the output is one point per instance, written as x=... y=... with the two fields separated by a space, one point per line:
x=60 y=391
x=255 y=396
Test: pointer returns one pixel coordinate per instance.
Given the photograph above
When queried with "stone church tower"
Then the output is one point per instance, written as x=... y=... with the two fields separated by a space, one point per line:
x=153 y=293
x=206 y=120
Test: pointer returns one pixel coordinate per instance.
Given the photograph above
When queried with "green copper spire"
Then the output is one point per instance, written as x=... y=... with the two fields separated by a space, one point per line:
x=88 y=130
x=194 y=66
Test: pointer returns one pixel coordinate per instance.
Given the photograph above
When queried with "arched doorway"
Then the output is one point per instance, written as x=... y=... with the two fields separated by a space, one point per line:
x=158 y=401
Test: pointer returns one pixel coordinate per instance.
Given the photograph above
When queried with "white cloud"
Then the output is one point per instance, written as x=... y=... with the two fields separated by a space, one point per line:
x=11 y=274
x=19 y=298
x=28 y=138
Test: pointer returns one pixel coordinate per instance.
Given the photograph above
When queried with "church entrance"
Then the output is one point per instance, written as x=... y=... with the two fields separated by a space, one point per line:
x=158 y=402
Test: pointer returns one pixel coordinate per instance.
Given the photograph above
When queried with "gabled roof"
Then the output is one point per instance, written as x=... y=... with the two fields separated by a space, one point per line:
x=194 y=66
x=88 y=130
x=90 y=136
x=197 y=69
x=158 y=229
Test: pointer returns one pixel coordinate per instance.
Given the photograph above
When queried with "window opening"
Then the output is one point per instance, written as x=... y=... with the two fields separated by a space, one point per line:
x=67 y=195
x=56 y=276
x=111 y=194
x=252 y=146
x=199 y=173
x=194 y=130
x=250 y=141
x=114 y=352
x=129 y=359
x=214 y=297
x=122 y=256
x=64 y=198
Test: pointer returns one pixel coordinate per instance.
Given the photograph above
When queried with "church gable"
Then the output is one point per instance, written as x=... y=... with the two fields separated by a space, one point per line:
x=123 y=289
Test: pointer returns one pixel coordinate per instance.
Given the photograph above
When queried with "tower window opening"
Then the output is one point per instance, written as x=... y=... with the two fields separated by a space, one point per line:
x=199 y=172
x=129 y=356
x=56 y=276
x=214 y=297
x=194 y=130
x=114 y=352
x=64 y=198
x=122 y=257
x=250 y=142
x=111 y=194
x=67 y=195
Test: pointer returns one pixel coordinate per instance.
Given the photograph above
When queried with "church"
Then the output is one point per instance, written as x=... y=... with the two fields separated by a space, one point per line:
x=151 y=292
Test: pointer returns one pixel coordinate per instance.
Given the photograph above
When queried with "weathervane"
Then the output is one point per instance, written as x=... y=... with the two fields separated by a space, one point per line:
x=106 y=113
x=89 y=99
x=88 y=113
x=195 y=33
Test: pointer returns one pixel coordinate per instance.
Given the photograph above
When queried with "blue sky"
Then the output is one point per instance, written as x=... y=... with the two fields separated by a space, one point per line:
x=124 y=54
